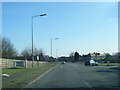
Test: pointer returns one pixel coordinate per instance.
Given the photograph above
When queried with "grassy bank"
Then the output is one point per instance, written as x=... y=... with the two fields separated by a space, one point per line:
x=110 y=64
x=22 y=80
x=12 y=71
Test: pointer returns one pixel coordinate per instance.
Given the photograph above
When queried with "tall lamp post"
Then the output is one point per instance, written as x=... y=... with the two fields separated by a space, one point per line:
x=32 y=35
x=51 y=44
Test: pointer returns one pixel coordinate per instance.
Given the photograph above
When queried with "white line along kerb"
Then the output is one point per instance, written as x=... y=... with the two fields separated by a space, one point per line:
x=40 y=76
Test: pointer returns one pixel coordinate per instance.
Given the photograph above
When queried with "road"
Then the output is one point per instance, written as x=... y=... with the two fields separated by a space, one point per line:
x=75 y=75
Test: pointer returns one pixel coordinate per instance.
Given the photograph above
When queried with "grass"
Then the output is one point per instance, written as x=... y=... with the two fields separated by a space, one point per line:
x=117 y=68
x=110 y=64
x=24 y=79
x=12 y=71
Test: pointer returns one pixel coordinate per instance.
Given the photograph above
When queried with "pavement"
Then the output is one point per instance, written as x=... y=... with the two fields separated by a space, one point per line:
x=76 y=75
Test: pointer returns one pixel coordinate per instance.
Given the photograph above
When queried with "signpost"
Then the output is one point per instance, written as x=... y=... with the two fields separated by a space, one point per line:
x=37 y=60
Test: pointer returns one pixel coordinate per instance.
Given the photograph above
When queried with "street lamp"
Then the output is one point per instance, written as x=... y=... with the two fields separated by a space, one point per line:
x=32 y=36
x=51 y=44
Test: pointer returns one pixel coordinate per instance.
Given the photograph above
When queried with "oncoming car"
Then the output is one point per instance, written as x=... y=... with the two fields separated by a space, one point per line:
x=91 y=63
x=87 y=62
x=63 y=62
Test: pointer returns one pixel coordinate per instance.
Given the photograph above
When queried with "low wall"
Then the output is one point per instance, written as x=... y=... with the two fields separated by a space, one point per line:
x=10 y=63
x=6 y=63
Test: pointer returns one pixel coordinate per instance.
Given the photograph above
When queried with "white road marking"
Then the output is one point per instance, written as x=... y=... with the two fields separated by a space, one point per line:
x=39 y=77
x=87 y=84
x=74 y=65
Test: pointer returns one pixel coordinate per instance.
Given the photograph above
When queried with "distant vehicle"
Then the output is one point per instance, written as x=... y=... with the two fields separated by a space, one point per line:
x=63 y=62
x=87 y=62
x=91 y=63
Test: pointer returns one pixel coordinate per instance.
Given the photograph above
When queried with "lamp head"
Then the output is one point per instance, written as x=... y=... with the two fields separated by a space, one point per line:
x=43 y=14
x=56 y=38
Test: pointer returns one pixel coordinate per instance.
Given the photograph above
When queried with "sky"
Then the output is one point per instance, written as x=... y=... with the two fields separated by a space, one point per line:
x=85 y=27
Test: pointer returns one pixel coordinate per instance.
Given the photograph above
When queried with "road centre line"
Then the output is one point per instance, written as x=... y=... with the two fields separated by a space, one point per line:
x=39 y=77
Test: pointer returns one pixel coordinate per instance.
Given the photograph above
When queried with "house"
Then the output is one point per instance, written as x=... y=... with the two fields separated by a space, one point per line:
x=97 y=56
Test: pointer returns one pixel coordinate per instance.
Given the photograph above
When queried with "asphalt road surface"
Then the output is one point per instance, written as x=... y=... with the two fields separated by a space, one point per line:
x=74 y=75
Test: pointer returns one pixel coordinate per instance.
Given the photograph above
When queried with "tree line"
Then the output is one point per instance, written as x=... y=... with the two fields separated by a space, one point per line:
x=9 y=51
x=75 y=57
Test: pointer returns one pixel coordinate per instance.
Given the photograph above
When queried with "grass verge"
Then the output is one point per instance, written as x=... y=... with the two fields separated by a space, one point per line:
x=21 y=81
x=110 y=64
x=12 y=71
x=117 y=68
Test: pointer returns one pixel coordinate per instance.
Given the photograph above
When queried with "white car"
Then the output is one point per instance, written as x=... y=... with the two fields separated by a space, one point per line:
x=93 y=63
x=63 y=62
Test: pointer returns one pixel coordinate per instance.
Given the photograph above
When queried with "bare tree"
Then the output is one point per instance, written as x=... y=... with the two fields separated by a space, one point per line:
x=27 y=53
x=71 y=54
x=38 y=51
x=71 y=57
x=8 y=49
